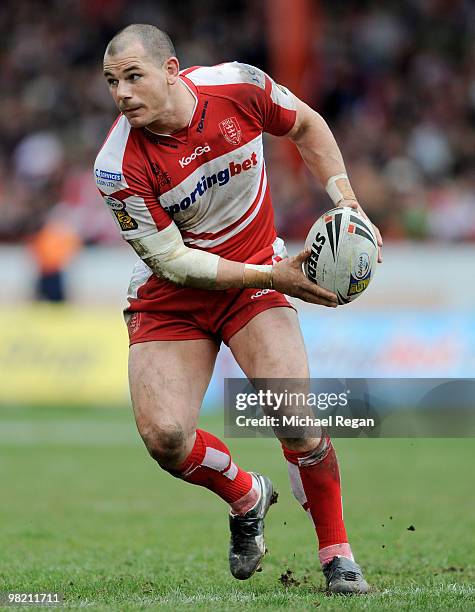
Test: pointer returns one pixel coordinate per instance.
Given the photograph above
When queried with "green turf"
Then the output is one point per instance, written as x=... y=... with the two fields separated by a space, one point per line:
x=85 y=512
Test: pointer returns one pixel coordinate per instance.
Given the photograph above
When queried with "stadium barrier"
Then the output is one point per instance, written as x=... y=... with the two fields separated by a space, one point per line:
x=62 y=355
x=66 y=355
x=422 y=277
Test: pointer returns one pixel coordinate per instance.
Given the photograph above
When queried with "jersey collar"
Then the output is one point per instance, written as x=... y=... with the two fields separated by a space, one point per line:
x=181 y=135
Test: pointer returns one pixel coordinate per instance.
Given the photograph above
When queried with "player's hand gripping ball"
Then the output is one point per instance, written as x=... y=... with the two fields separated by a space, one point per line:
x=344 y=253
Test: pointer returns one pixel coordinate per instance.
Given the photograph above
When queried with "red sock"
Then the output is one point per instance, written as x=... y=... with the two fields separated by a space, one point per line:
x=315 y=481
x=210 y=465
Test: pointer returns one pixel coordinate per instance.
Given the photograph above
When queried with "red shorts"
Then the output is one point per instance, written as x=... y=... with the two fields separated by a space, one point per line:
x=192 y=314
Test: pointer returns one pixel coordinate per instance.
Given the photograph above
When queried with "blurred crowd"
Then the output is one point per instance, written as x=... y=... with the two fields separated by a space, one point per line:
x=395 y=81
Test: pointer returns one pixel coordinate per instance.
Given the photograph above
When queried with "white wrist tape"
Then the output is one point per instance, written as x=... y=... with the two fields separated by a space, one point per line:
x=257 y=276
x=334 y=191
x=166 y=254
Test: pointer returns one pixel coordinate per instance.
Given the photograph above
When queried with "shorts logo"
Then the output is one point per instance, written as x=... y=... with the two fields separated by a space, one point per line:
x=231 y=130
x=133 y=323
x=261 y=292
x=126 y=222
x=184 y=161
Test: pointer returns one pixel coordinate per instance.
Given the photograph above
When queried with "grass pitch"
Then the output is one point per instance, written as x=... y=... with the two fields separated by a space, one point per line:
x=87 y=513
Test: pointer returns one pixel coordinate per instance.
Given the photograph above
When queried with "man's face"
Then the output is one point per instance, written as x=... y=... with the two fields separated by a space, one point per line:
x=139 y=87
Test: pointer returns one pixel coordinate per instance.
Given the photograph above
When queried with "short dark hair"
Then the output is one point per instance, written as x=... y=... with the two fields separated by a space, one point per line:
x=156 y=42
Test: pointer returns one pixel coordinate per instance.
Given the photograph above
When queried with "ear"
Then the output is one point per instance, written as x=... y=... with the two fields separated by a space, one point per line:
x=172 y=68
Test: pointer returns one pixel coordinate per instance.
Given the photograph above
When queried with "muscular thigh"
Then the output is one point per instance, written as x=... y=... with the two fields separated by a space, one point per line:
x=271 y=346
x=168 y=380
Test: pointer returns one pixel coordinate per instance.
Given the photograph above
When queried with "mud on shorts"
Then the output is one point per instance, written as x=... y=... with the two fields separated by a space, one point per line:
x=160 y=310
x=191 y=314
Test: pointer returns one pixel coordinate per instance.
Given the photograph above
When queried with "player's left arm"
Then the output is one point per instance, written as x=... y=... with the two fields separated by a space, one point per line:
x=321 y=153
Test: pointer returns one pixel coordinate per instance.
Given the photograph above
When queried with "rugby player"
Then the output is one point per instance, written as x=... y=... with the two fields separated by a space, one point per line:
x=182 y=171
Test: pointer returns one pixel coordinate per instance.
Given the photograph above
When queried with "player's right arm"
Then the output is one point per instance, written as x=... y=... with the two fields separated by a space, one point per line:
x=168 y=257
x=128 y=192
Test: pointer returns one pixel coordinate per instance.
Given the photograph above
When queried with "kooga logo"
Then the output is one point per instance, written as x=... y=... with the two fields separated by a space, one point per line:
x=184 y=161
x=220 y=178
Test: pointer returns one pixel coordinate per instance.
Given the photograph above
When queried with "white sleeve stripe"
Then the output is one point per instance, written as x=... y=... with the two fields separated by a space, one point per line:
x=230 y=73
x=108 y=168
x=225 y=230
x=212 y=243
x=282 y=97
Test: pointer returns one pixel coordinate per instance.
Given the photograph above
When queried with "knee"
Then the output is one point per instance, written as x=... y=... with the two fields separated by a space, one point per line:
x=167 y=443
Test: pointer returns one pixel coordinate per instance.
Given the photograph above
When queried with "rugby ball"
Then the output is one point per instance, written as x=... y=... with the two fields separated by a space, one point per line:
x=344 y=253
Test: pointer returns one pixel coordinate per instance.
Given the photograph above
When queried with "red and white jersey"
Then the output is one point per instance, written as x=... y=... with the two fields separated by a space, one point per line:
x=210 y=177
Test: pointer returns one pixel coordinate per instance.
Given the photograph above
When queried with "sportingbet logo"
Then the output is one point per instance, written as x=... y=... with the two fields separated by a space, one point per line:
x=184 y=161
x=220 y=178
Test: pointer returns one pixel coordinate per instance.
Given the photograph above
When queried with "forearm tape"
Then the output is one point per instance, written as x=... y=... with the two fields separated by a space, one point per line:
x=338 y=188
x=166 y=254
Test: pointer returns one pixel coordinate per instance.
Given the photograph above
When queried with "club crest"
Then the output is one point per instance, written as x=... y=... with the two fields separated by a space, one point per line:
x=231 y=130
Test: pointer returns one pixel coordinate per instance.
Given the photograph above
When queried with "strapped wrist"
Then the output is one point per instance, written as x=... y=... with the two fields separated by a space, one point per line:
x=257 y=276
x=338 y=188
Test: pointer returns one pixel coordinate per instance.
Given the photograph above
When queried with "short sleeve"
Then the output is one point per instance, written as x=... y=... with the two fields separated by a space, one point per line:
x=274 y=103
x=280 y=109
x=128 y=193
